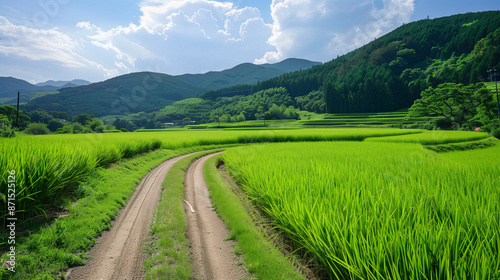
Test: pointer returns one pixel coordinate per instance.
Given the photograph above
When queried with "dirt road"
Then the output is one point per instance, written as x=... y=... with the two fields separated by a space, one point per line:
x=117 y=253
x=213 y=258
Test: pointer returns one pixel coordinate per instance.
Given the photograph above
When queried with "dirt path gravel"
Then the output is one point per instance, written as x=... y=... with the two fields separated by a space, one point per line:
x=117 y=253
x=213 y=257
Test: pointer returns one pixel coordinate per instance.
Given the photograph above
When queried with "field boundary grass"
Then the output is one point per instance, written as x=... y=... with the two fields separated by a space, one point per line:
x=167 y=246
x=433 y=137
x=262 y=259
x=464 y=146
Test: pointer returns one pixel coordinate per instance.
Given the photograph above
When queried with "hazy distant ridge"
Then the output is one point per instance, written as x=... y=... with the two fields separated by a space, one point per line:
x=9 y=86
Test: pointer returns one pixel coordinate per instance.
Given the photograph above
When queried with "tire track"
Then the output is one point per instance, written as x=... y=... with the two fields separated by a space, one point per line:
x=212 y=256
x=117 y=253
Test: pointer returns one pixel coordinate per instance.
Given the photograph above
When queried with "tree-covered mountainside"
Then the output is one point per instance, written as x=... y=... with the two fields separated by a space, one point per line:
x=246 y=74
x=121 y=95
x=26 y=97
x=273 y=103
x=148 y=91
x=390 y=72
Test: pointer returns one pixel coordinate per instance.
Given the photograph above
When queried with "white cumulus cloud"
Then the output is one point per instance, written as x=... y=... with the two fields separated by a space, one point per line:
x=38 y=44
x=46 y=49
x=188 y=36
x=194 y=36
x=322 y=29
x=156 y=17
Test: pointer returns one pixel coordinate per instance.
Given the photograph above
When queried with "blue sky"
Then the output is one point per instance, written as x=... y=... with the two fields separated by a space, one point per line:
x=98 y=40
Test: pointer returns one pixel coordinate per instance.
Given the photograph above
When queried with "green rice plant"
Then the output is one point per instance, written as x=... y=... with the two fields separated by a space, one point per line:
x=47 y=167
x=380 y=210
x=189 y=138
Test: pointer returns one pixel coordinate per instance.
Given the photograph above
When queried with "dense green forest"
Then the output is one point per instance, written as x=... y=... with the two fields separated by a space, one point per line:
x=390 y=73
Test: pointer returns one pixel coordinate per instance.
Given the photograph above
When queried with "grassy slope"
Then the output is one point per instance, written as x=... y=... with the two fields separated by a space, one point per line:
x=308 y=119
x=251 y=123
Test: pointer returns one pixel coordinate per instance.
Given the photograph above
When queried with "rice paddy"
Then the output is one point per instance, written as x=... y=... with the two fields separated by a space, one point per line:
x=380 y=210
x=48 y=166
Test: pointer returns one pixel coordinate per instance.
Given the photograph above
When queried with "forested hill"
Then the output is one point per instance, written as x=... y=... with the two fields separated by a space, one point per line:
x=390 y=72
x=147 y=91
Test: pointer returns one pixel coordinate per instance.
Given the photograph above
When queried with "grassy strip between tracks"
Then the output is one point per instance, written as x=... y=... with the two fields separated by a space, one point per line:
x=49 y=250
x=167 y=245
x=262 y=259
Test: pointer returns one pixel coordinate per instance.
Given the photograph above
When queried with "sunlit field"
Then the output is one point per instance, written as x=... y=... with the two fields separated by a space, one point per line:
x=380 y=210
x=47 y=166
x=363 y=205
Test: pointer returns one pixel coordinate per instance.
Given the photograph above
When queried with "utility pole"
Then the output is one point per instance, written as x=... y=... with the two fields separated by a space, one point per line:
x=17 y=117
x=493 y=74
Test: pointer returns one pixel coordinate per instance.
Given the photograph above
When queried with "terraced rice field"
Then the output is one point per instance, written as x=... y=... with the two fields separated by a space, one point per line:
x=434 y=137
x=393 y=119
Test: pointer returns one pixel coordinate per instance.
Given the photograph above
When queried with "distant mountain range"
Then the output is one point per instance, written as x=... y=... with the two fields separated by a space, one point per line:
x=63 y=84
x=9 y=86
x=148 y=91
